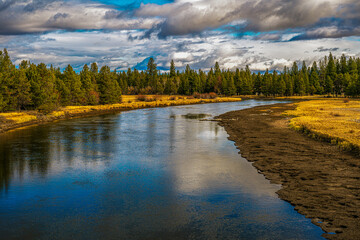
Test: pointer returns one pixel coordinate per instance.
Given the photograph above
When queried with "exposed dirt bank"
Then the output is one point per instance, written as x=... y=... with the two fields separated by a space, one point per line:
x=322 y=182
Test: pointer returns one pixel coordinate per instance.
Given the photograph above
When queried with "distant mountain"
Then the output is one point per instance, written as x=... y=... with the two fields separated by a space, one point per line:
x=142 y=66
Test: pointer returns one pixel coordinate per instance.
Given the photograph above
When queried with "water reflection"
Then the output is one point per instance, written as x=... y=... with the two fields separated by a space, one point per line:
x=149 y=174
x=42 y=149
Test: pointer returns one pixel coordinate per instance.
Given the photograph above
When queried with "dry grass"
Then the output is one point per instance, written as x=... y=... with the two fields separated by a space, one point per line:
x=18 y=117
x=129 y=103
x=336 y=121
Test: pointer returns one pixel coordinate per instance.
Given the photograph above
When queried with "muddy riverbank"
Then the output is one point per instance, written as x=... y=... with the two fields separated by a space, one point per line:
x=321 y=181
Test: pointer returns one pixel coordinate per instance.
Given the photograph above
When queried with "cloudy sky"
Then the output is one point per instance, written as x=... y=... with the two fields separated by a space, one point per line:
x=122 y=34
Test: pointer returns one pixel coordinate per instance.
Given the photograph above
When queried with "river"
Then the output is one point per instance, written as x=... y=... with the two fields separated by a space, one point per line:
x=145 y=174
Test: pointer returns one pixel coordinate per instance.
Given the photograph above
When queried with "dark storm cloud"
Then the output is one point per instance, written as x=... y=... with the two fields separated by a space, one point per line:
x=37 y=16
x=310 y=18
x=270 y=18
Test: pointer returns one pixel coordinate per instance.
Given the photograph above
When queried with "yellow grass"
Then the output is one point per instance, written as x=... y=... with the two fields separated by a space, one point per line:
x=128 y=103
x=131 y=102
x=313 y=97
x=337 y=121
x=18 y=117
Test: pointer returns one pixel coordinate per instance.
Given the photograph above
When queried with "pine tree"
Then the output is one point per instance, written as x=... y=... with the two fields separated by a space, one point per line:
x=314 y=85
x=210 y=81
x=152 y=74
x=330 y=72
x=258 y=84
x=89 y=86
x=343 y=64
x=73 y=82
x=231 y=86
x=338 y=84
x=329 y=85
x=172 y=69
x=44 y=95
x=8 y=72
x=22 y=92
x=282 y=86
x=267 y=83
x=108 y=87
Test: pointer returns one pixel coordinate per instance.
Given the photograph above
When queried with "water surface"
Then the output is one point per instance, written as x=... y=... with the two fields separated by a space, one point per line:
x=144 y=174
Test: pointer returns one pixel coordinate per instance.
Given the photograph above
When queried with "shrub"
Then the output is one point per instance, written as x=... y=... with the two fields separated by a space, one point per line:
x=141 y=98
x=158 y=98
x=150 y=99
x=213 y=95
x=173 y=98
x=197 y=95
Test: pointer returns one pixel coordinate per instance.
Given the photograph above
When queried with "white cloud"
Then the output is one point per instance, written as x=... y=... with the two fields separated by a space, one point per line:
x=116 y=50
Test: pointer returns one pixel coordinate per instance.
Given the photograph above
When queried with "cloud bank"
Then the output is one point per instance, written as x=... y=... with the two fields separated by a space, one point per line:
x=260 y=33
x=311 y=19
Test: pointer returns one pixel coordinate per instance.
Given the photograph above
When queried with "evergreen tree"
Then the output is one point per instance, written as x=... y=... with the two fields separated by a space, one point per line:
x=331 y=72
x=44 y=94
x=258 y=84
x=22 y=92
x=329 y=85
x=73 y=82
x=89 y=86
x=109 y=89
x=343 y=64
x=338 y=84
x=172 y=69
x=314 y=85
x=152 y=74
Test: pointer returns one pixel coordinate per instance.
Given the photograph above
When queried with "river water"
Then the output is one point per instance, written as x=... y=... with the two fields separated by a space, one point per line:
x=145 y=174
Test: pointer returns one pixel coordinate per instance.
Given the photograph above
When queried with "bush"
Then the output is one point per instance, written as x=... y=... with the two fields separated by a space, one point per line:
x=150 y=99
x=141 y=98
x=47 y=108
x=158 y=98
x=173 y=98
x=213 y=95
x=197 y=95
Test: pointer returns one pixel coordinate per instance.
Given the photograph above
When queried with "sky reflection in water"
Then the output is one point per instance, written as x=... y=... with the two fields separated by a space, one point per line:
x=142 y=174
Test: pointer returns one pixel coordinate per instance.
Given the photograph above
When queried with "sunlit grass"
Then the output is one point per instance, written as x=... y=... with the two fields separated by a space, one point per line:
x=337 y=121
x=18 y=117
x=128 y=103
x=312 y=97
x=131 y=102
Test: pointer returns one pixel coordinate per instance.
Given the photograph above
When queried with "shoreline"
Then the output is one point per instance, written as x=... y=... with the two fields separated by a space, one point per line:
x=72 y=112
x=319 y=179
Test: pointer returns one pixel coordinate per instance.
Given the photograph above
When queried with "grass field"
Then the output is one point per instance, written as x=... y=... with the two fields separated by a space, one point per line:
x=336 y=121
x=128 y=103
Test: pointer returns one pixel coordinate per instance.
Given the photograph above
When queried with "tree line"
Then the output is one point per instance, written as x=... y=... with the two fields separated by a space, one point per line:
x=31 y=86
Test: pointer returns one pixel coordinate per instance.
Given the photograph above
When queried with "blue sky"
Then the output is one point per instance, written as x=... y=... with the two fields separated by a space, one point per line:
x=131 y=4
x=260 y=33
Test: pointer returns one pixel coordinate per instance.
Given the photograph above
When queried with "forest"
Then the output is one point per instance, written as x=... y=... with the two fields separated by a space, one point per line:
x=30 y=86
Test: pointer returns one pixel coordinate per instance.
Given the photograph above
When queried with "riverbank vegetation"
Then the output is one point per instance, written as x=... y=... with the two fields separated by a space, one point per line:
x=336 y=121
x=30 y=86
x=14 y=120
